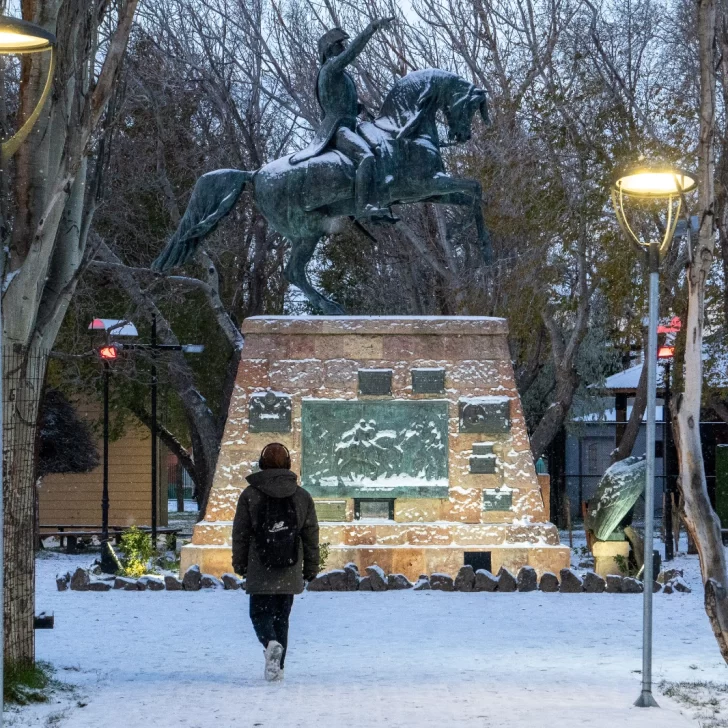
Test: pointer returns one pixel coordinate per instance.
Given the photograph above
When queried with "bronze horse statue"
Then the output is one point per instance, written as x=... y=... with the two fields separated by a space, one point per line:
x=306 y=201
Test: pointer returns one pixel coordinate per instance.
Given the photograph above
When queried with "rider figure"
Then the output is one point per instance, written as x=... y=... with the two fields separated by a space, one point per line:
x=337 y=95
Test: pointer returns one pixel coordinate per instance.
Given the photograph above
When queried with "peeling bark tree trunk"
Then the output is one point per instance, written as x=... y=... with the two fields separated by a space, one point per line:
x=46 y=243
x=700 y=519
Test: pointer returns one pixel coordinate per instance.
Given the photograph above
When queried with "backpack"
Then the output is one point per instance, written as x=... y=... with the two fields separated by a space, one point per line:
x=276 y=532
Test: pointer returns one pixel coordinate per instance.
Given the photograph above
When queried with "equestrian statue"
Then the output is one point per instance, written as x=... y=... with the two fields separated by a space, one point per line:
x=352 y=169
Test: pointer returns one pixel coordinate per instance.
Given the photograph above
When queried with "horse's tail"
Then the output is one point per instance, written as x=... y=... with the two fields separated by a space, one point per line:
x=214 y=196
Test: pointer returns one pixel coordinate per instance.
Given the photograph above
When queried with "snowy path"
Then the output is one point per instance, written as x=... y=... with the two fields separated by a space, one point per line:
x=189 y=660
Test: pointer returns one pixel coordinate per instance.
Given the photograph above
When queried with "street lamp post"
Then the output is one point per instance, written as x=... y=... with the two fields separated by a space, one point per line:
x=657 y=184
x=17 y=37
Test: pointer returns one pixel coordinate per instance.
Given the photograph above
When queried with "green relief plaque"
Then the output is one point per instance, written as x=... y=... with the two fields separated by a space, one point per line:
x=482 y=461
x=372 y=449
x=375 y=381
x=497 y=500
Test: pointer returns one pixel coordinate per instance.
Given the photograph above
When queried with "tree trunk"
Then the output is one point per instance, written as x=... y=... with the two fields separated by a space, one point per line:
x=24 y=371
x=700 y=519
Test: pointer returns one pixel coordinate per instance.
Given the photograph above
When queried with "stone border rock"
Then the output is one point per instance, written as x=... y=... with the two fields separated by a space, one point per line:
x=376 y=580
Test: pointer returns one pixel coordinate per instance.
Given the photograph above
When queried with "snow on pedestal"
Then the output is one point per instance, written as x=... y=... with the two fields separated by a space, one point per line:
x=418 y=441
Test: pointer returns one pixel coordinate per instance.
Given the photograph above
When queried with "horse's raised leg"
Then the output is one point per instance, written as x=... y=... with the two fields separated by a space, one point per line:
x=467 y=192
x=301 y=253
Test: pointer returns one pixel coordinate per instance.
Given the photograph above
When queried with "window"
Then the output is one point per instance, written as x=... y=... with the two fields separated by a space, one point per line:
x=592 y=457
x=381 y=509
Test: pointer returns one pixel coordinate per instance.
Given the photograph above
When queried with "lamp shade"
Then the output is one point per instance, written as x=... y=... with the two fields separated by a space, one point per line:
x=20 y=36
x=648 y=182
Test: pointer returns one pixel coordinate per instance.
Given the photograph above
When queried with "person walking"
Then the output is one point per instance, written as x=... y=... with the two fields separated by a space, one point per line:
x=276 y=549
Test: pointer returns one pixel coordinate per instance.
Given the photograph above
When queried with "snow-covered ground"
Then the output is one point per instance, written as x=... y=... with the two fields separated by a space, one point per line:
x=414 y=659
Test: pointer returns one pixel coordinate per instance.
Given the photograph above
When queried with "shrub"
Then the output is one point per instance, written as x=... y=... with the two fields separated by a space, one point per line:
x=136 y=547
x=25 y=684
x=324 y=549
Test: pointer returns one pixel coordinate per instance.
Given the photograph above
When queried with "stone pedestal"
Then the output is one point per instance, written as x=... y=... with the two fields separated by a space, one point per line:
x=408 y=432
x=605 y=556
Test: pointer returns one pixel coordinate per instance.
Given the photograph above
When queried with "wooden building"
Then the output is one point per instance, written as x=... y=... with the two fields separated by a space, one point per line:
x=75 y=499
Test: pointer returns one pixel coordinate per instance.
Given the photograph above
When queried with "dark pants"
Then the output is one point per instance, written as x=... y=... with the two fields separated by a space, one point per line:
x=269 y=614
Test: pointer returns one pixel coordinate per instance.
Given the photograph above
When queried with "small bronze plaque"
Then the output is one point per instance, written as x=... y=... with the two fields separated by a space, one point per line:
x=375 y=381
x=428 y=381
x=485 y=414
x=330 y=510
x=270 y=412
x=482 y=464
x=497 y=500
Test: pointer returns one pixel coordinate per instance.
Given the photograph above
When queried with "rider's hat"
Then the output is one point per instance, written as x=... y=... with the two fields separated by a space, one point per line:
x=329 y=38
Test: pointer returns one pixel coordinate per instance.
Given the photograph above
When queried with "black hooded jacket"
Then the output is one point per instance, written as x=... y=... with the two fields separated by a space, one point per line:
x=260 y=579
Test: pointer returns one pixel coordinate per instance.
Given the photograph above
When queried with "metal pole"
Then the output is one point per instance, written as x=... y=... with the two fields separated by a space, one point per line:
x=154 y=430
x=666 y=442
x=105 y=489
x=646 y=700
x=2 y=518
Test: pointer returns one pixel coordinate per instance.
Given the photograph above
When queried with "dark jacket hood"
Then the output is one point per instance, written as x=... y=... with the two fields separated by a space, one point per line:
x=276 y=483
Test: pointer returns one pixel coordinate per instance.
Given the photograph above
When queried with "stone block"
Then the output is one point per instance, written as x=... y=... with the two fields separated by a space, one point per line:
x=549 y=582
x=125 y=583
x=99 y=586
x=192 y=580
x=398 y=581
x=679 y=584
x=669 y=575
x=631 y=586
x=362 y=347
x=360 y=536
x=408 y=510
x=527 y=579
x=63 y=580
x=442 y=582
x=506 y=581
x=408 y=561
x=208 y=581
x=320 y=583
x=465 y=580
x=365 y=584
x=593 y=583
x=422 y=584
x=571 y=583
x=614 y=584
x=172 y=583
x=607 y=554
x=341 y=374
x=485 y=581
x=152 y=583
x=338 y=580
x=377 y=578
x=296 y=376
x=80 y=580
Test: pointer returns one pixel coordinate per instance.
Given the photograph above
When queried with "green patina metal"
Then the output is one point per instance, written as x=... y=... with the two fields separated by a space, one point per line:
x=721 y=483
x=370 y=449
x=353 y=169
x=618 y=491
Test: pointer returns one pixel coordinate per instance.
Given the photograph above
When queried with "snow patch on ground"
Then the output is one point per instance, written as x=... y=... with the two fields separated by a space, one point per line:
x=401 y=659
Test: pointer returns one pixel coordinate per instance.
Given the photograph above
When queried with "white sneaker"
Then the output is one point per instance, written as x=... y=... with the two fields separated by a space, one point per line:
x=273 y=654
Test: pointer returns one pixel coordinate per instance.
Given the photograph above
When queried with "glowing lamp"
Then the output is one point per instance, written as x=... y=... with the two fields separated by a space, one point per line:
x=666 y=352
x=655 y=183
x=18 y=37
x=108 y=353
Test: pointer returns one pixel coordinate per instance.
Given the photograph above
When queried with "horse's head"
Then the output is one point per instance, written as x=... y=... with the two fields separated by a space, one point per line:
x=460 y=107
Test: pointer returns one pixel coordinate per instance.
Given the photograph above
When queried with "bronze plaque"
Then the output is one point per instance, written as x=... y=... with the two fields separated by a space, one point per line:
x=375 y=381
x=270 y=412
x=485 y=414
x=428 y=381
x=330 y=510
x=497 y=500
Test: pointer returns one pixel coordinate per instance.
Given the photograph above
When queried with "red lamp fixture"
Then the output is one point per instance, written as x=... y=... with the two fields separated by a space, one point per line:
x=108 y=353
x=665 y=352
